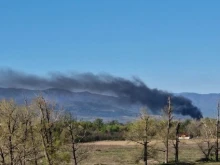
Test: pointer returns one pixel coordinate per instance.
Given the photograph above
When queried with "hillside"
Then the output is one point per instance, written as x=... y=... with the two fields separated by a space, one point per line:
x=206 y=102
x=90 y=106
x=82 y=104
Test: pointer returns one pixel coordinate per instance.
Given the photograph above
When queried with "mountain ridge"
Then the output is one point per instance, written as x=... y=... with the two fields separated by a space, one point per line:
x=87 y=104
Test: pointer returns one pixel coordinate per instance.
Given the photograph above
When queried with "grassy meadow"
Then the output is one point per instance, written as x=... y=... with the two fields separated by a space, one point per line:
x=124 y=153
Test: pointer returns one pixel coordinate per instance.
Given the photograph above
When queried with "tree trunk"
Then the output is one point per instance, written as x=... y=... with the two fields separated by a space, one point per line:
x=145 y=153
x=73 y=147
x=169 y=115
x=177 y=144
x=2 y=156
x=167 y=141
x=11 y=150
x=167 y=145
x=46 y=152
x=33 y=144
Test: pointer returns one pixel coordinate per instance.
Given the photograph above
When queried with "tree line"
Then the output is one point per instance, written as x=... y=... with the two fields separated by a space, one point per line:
x=40 y=133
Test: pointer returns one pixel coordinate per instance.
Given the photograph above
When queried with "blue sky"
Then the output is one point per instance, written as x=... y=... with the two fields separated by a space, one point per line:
x=171 y=45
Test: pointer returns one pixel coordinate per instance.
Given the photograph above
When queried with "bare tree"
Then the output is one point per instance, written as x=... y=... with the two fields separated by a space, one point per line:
x=48 y=118
x=24 y=149
x=169 y=117
x=74 y=134
x=207 y=144
x=10 y=129
x=141 y=132
x=176 y=144
x=30 y=138
x=15 y=133
x=192 y=128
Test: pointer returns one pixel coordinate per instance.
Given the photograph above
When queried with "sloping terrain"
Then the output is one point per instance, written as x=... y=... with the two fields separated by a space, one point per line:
x=90 y=105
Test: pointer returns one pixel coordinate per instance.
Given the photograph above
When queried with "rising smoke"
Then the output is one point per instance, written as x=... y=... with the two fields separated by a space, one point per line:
x=135 y=90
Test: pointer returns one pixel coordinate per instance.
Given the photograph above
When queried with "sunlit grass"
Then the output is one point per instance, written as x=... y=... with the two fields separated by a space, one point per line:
x=116 y=154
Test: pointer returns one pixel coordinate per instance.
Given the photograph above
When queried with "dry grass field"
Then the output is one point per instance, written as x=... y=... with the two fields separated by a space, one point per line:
x=127 y=153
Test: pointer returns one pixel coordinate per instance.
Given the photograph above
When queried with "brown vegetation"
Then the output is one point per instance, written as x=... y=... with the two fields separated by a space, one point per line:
x=39 y=133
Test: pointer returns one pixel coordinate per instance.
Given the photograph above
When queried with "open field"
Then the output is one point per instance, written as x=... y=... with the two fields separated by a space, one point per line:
x=124 y=152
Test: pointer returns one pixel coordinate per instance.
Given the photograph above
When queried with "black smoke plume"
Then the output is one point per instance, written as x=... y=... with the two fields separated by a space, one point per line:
x=134 y=89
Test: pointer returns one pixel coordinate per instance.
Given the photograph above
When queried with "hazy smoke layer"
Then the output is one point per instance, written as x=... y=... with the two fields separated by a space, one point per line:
x=134 y=89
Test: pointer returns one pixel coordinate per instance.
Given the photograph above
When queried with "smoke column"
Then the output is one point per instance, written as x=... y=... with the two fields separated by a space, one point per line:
x=135 y=90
